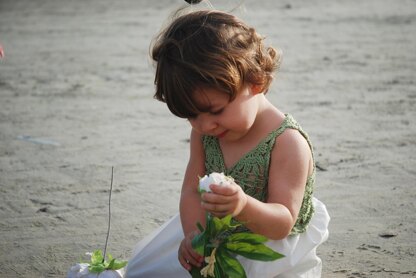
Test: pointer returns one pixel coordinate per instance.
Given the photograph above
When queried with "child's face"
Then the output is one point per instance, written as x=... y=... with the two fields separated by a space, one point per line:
x=225 y=120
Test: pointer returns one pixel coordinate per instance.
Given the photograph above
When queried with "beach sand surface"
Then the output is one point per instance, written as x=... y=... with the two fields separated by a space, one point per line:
x=76 y=99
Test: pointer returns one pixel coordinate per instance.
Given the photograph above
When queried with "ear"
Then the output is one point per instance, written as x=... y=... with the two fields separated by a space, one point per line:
x=256 y=89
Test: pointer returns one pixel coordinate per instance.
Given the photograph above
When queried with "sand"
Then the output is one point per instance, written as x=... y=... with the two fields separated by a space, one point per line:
x=76 y=88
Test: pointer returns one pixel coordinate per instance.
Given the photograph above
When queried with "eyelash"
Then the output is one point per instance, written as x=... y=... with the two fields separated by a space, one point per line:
x=217 y=112
x=193 y=117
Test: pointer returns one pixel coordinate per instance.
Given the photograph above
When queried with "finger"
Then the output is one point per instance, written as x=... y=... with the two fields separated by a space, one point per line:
x=216 y=198
x=186 y=259
x=228 y=190
x=182 y=259
x=215 y=208
x=220 y=214
x=193 y=258
x=185 y=264
x=191 y=251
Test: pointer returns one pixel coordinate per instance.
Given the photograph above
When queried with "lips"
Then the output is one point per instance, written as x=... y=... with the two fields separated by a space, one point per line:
x=221 y=135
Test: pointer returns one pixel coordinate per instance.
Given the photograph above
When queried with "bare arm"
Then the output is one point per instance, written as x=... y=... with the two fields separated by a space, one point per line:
x=190 y=203
x=291 y=162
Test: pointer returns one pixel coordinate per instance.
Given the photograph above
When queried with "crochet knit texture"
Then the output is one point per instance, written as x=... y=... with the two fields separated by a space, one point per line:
x=251 y=172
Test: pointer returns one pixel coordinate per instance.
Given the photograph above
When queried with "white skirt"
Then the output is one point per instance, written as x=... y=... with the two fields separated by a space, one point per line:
x=156 y=256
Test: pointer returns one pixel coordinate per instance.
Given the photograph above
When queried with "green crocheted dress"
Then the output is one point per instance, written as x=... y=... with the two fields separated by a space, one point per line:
x=251 y=172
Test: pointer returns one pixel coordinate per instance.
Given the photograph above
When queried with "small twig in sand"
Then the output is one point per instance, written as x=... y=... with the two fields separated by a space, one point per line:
x=109 y=213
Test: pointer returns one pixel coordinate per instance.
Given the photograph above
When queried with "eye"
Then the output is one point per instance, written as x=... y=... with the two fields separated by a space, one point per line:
x=217 y=112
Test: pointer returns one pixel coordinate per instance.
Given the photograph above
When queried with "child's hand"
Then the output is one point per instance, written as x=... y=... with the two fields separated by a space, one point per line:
x=187 y=255
x=224 y=200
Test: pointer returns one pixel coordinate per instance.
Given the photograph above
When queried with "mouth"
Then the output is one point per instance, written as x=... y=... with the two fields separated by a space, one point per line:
x=222 y=134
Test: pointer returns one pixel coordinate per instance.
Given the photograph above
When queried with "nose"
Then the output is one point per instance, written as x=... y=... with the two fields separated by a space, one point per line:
x=204 y=123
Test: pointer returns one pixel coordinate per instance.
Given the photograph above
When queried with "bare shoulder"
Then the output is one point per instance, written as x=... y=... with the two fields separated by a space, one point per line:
x=290 y=166
x=291 y=149
x=292 y=139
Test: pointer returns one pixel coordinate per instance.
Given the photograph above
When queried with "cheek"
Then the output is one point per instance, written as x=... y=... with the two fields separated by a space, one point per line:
x=245 y=117
x=238 y=121
x=196 y=125
x=192 y=122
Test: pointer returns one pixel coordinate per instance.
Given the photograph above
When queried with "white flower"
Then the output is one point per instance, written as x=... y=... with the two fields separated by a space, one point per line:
x=214 y=178
x=209 y=269
x=78 y=270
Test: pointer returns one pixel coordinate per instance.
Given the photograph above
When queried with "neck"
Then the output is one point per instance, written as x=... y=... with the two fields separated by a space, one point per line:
x=268 y=116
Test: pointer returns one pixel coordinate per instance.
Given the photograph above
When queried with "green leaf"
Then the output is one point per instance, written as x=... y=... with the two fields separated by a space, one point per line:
x=229 y=265
x=217 y=270
x=98 y=268
x=200 y=228
x=258 y=252
x=117 y=264
x=247 y=237
x=110 y=265
x=110 y=258
x=217 y=227
x=198 y=243
x=195 y=272
x=220 y=225
x=97 y=264
x=97 y=257
x=209 y=226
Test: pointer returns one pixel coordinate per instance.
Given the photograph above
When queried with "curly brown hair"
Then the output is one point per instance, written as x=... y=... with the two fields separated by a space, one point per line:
x=209 y=49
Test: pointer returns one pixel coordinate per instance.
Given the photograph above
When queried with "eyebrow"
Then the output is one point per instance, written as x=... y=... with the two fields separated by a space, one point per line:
x=211 y=108
x=216 y=109
x=207 y=105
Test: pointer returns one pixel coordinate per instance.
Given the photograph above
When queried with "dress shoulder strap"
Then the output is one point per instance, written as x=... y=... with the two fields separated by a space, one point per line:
x=288 y=122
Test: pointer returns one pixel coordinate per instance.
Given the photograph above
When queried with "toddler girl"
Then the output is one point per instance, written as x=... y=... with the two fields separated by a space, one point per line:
x=214 y=70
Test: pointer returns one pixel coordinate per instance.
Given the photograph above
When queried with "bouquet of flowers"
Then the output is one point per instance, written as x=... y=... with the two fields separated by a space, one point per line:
x=223 y=239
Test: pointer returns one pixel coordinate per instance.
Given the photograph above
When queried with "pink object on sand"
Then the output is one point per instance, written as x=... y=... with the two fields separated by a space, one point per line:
x=1 y=51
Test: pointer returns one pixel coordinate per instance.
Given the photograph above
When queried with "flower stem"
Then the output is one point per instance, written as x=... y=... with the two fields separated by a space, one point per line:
x=109 y=213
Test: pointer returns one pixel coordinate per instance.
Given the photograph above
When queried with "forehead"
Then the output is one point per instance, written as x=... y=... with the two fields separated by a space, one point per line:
x=208 y=98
